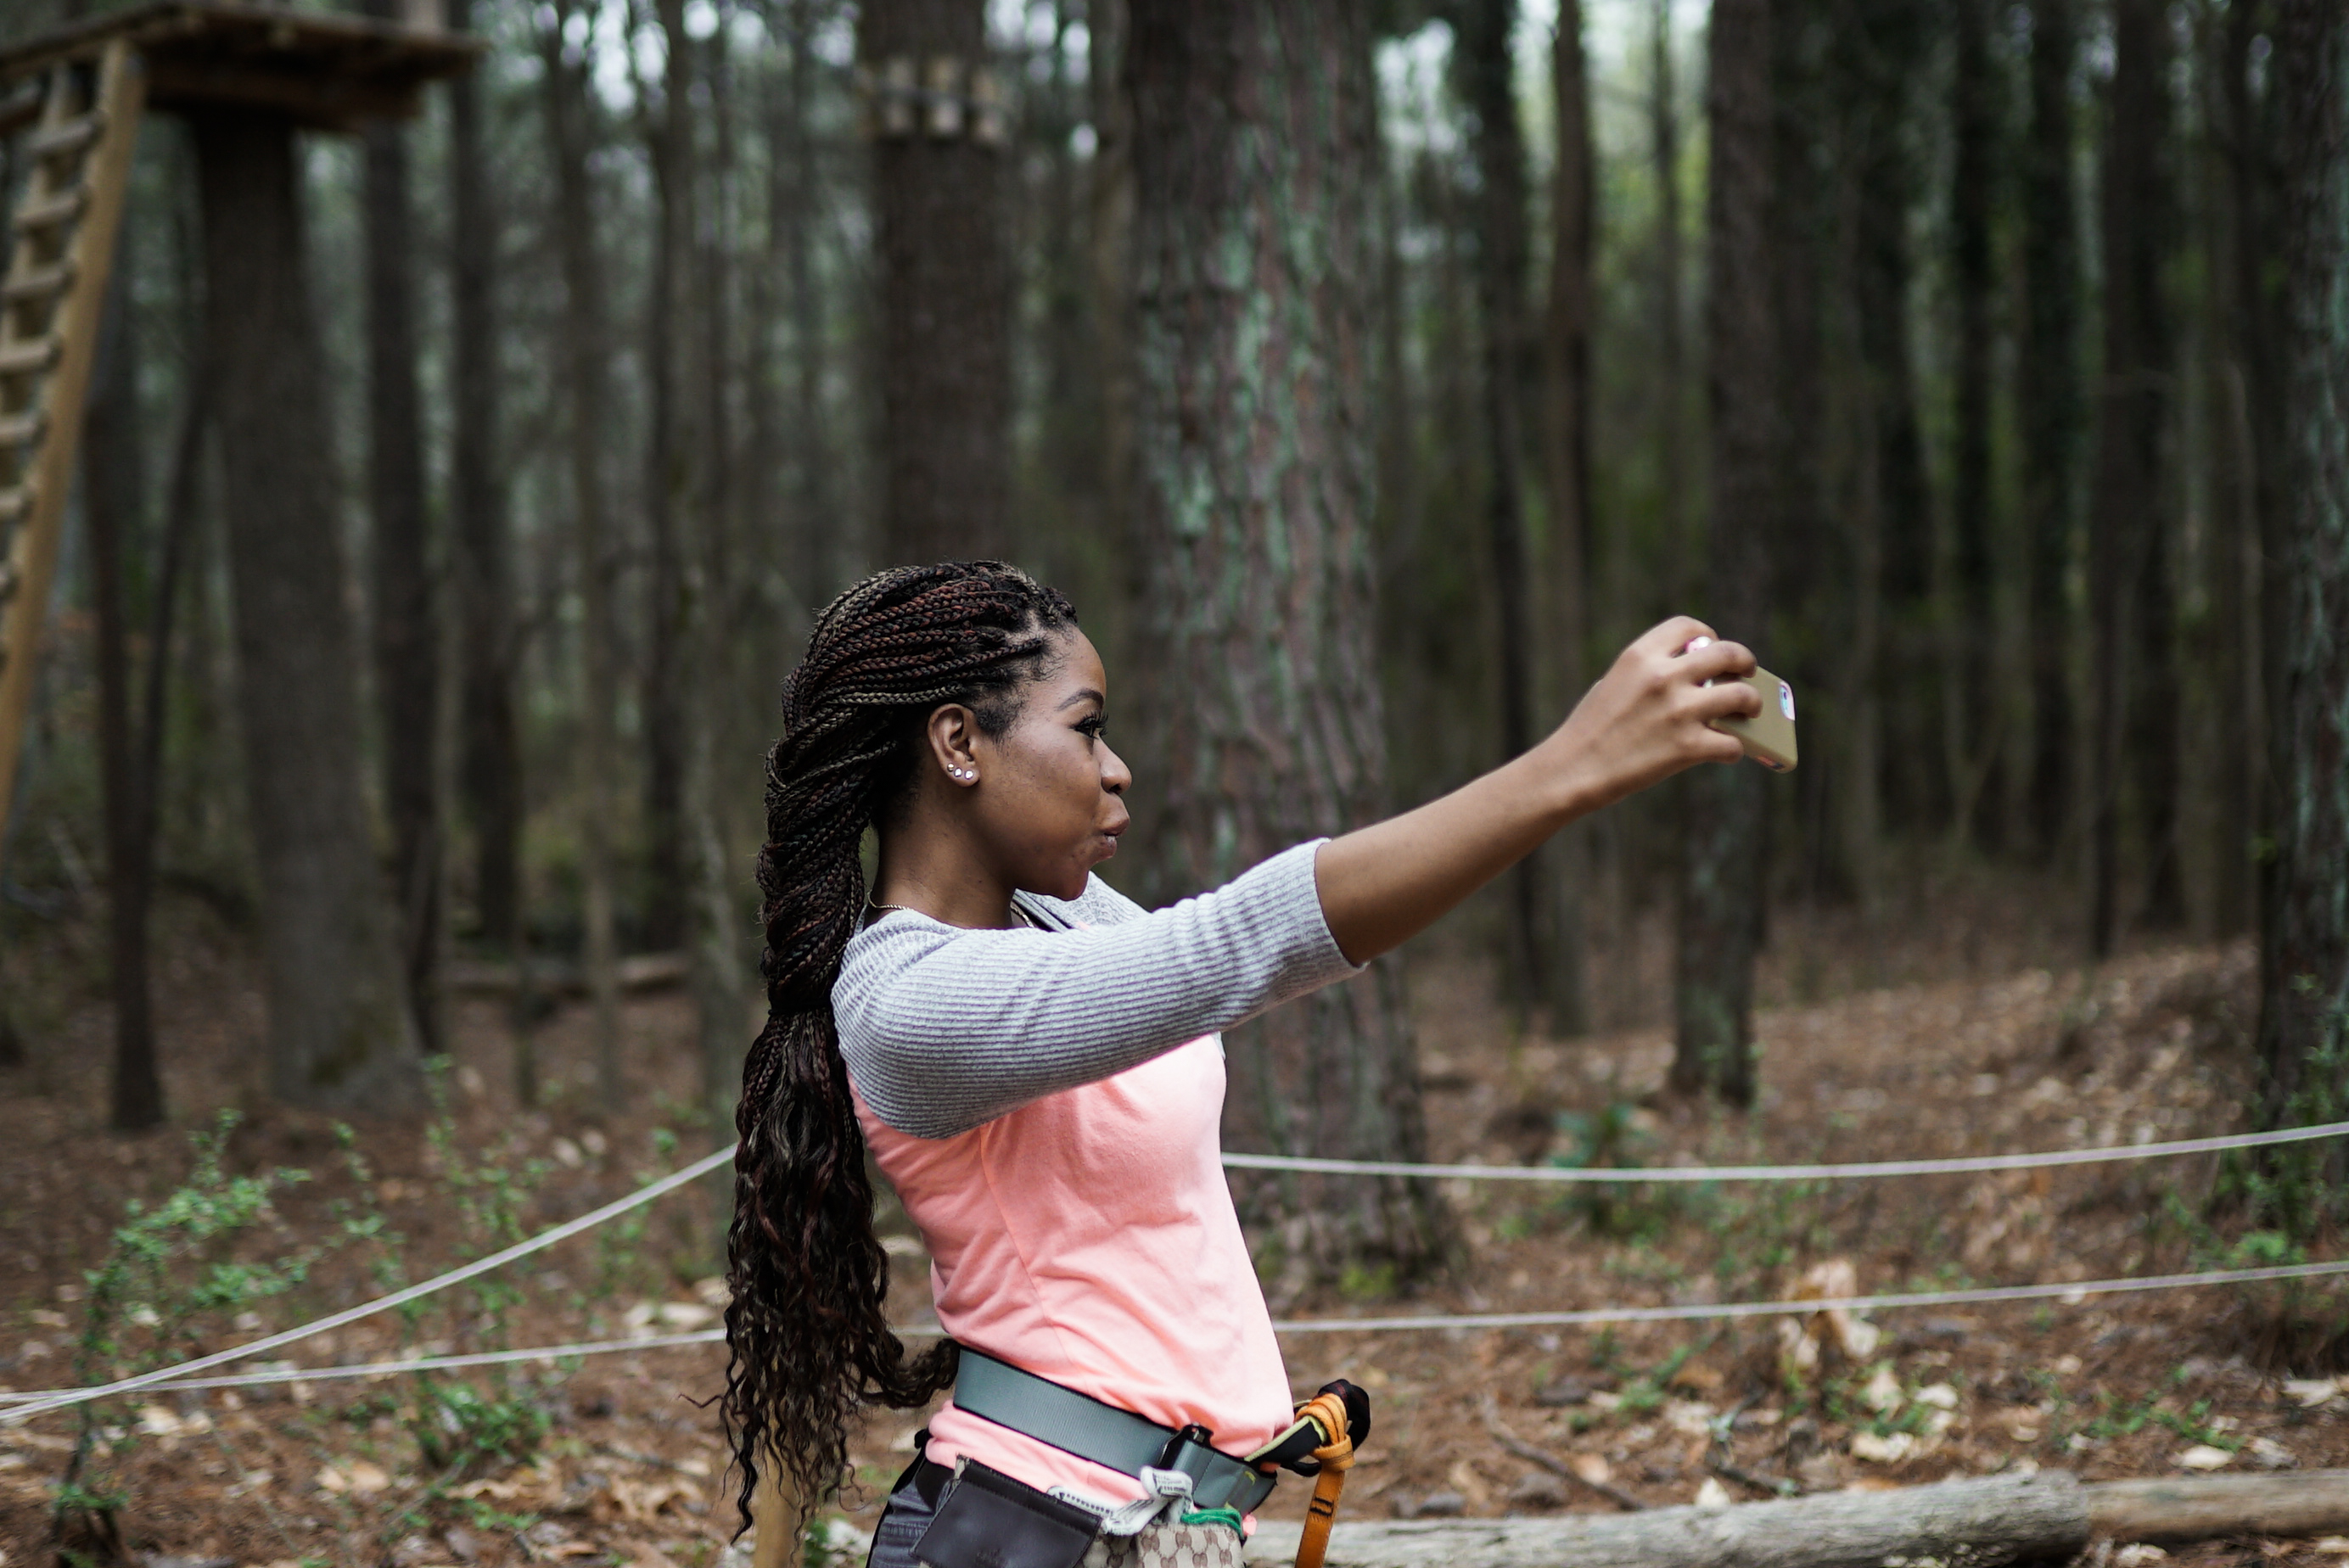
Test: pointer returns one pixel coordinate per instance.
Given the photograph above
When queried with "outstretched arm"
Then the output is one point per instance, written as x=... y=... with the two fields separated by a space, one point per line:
x=1648 y=718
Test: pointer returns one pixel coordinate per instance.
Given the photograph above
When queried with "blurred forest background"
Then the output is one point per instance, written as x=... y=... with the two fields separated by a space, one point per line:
x=1368 y=373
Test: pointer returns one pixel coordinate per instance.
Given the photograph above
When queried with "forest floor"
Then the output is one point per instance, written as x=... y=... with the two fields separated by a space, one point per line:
x=1948 y=1040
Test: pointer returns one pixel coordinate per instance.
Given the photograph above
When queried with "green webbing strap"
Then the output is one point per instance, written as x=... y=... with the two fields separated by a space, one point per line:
x=1081 y=1425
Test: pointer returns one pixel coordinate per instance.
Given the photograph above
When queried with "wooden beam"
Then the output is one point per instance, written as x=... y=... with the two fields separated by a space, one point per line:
x=1982 y=1523
x=2206 y=1508
x=316 y=102
x=2002 y=1519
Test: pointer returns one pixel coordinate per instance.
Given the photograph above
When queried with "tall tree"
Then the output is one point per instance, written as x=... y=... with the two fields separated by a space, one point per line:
x=1973 y=713
x=114 y=496
x=1727 y=822
x=1671 y=310
x=407 y=641
x=1565 y=446
x=1484 y=60
x=570 y=108
x=2128 y=590
x=946 y=301
x=1883 y=43
x=2048 y=410
x=481 y=549
x=2304 y=960
x=340 y=1034
x=669 y=485
x=1255 y=146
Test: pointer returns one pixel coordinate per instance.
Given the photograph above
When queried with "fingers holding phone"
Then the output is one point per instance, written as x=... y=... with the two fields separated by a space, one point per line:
x=1763 y=716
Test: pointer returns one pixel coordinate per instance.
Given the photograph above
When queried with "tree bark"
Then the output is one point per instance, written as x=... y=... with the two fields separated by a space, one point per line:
x=407 y=642
x=114 y=494
x=1973 y=711
x=2048 y=409
x=1255 y=140
x=669 y=488
x=1565 y=449
x=1485 y=62
x=2304 y=963
x=1726 y=824
x=2002 y=1520
x=946 y=301
x=2127 y=573
x=1671 y=310
x=1884 y=44
x=570 y=132
x=491 y=768
x=340 y=1037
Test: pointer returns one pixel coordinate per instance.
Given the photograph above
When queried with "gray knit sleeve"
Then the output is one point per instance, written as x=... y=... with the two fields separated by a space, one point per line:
x=946 y=1028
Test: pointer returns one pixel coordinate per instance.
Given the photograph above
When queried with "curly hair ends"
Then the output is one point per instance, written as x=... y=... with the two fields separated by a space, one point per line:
x=807 y=1338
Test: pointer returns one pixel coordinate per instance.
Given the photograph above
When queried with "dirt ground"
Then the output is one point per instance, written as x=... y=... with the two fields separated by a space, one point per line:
x=1960 y=1036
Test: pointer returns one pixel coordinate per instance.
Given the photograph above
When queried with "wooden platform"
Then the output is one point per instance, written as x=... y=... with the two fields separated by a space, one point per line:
x=322 y=70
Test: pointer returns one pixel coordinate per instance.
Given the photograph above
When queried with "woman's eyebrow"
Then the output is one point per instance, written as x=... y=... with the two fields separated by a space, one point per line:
x=1087 y=695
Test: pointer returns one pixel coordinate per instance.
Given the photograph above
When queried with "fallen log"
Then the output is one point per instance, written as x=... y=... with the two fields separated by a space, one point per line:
x=1977 y=1523
x=2203 y=1508
x=1956 y=1524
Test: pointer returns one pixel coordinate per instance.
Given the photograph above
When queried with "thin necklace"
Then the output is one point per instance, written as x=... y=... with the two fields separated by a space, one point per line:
x=1017 y=912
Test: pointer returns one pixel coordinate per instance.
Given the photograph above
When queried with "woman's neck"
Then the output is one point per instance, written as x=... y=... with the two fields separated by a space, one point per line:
x=916 y=873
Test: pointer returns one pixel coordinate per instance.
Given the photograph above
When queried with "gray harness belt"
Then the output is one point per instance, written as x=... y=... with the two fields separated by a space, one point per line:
x=1119 y=1439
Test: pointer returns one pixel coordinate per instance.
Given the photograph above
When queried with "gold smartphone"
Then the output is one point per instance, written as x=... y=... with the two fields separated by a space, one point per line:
x=1769 y=735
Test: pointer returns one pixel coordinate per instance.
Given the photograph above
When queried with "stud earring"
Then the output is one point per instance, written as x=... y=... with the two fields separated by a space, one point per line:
x=963 y=773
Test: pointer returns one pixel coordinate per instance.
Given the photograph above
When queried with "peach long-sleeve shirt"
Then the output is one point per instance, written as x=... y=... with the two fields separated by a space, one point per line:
x=1047 y=1102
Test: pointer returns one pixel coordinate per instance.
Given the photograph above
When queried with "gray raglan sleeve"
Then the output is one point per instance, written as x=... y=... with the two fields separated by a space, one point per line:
x=945 y=1029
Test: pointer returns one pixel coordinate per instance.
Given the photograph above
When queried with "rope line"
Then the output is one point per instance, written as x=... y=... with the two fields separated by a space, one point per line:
x=538 y=1243
x=58 y=1398
x=22 y=1408
x=1877 y=1168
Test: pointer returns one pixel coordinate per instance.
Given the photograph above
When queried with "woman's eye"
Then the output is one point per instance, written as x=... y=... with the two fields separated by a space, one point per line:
x=1092 y=728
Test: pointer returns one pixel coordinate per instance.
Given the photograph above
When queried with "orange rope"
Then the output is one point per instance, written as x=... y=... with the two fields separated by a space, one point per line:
x=1328 y=1413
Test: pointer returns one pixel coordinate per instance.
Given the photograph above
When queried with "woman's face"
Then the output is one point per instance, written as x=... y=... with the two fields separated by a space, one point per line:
x=1048 y=796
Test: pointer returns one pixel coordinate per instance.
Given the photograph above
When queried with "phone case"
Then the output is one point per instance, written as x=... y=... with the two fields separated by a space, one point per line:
x=1769 y=735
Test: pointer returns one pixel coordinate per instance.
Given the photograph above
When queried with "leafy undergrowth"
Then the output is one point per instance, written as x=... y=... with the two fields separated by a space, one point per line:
x=614 y=1460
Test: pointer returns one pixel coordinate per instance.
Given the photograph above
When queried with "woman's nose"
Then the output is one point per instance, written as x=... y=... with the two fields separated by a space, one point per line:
x=1115 y=777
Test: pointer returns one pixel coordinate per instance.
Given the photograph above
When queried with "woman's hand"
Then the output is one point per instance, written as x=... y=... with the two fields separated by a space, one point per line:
x=1651 y=716
x=1646 y=721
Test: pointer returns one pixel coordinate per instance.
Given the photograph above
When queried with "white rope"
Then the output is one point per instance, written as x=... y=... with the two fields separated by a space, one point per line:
x=25 y=1406
x=1978 y=1296
x=58 y=1398
x=538 y=1243
x=1958 y=1166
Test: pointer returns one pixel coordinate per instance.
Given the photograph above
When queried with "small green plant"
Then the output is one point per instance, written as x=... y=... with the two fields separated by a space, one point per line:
x=1610 y=1139
x=170 y=1273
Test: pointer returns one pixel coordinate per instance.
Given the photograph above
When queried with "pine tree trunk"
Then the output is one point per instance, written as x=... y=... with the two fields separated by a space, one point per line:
x=407 y=643
x=586 y=337
x=818 y=560
x=1722 y=880
x=1671 y=310
x=114 y=490
x=1886 y=42
x=1483 y=57
x=2235 y=241
x=340 y=1037
x=2128 y=573
x=670 y=489
x=2048 y=410
x=1971 y=667
x=1255 y=143
x=946 y=301
x=2304 y=964
x=1565 y=448
x=481 y=552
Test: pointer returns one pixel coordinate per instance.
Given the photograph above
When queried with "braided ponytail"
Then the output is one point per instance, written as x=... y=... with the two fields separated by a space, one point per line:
x=807 y=1338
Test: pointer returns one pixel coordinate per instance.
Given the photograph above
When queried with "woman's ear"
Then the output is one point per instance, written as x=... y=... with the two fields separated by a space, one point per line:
x=954 y=733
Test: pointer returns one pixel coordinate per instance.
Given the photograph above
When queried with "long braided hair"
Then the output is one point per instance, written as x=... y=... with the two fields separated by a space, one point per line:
x=807 y=1339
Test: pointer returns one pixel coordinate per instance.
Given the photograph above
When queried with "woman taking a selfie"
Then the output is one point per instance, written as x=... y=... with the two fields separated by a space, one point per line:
x=1034 y=1062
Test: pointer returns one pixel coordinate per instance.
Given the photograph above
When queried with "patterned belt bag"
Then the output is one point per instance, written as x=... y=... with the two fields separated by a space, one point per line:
x=988 y=1520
